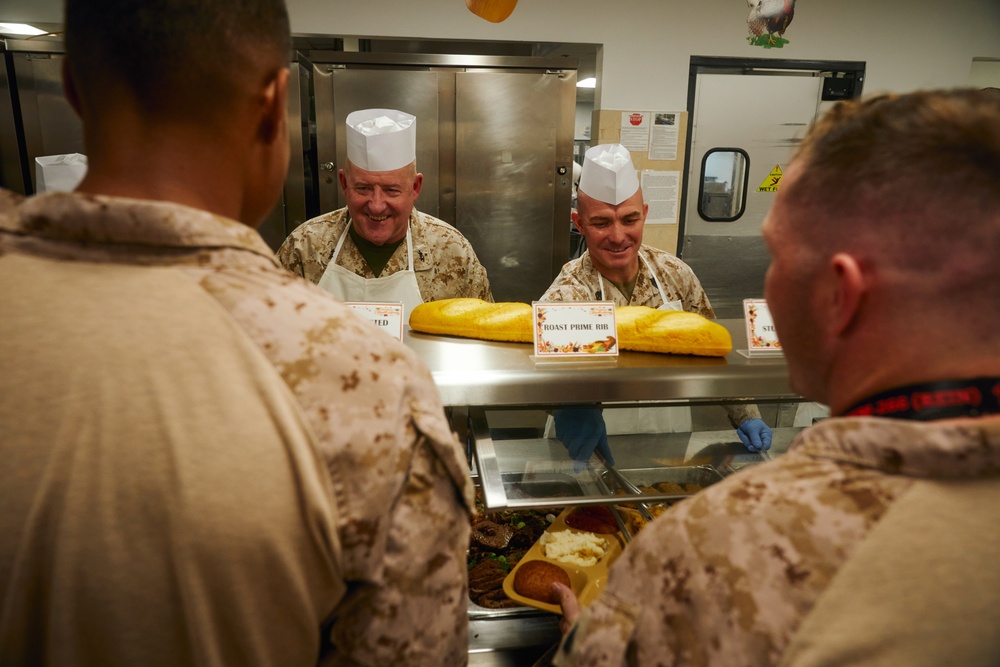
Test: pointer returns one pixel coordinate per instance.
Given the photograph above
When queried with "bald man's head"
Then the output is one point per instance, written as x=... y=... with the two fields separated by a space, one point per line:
x=910 y=177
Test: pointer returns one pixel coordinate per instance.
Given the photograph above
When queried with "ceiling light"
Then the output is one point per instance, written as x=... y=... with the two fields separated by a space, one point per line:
x=589 y=82
x=20 y=29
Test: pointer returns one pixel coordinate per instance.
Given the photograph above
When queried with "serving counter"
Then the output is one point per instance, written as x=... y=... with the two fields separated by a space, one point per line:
x=484 y=373
x=498 y=398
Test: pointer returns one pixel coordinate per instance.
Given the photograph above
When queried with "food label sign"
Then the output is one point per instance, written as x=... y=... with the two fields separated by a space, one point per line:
x=575 y=329
x=387 y=317
x=761 y=336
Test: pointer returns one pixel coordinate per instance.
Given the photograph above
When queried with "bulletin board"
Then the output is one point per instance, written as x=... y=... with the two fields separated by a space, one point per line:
x=657 y=164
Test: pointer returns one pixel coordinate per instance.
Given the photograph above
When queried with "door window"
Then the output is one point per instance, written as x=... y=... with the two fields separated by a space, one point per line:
x=722 y=192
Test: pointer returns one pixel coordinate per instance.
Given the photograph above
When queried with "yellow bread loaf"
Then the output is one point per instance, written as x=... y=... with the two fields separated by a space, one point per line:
x=644 y=329
x=640 y=328
x=474 y=318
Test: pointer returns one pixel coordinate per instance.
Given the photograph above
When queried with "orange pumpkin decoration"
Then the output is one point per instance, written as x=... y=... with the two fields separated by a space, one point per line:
x=493 y=11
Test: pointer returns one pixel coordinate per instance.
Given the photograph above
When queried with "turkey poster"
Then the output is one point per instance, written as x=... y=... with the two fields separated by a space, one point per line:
x=767 y=22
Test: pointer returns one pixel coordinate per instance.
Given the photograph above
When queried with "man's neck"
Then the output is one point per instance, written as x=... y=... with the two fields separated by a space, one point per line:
x=932 y=401
x=875 y=377
x=182 y=169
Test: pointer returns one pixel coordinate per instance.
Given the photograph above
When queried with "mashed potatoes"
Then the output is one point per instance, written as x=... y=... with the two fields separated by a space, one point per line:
x=567 y=546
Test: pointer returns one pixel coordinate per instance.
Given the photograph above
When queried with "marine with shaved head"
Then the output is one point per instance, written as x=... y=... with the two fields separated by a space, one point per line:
x=206 y=459
x=873 y=540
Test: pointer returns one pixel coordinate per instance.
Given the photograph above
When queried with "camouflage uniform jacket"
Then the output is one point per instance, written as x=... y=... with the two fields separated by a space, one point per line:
x=727 y=576
x=400 y=480
x=580 y=281
x=445 y=263
x=9 y=199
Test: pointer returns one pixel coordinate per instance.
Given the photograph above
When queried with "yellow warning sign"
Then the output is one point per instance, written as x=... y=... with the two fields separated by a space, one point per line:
x=770 y=183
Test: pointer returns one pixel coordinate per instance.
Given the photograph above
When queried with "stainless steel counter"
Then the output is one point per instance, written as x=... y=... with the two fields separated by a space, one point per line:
x=475 y=375
x=471 y=372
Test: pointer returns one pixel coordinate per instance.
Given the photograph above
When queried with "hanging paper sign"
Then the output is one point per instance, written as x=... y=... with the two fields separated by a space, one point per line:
x=387 y=317
x=634 y=130
x=761 y=336
x=575 y=329
x=770 y=183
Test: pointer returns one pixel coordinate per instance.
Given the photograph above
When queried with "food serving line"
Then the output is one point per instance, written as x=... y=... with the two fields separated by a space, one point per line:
x=479 y=379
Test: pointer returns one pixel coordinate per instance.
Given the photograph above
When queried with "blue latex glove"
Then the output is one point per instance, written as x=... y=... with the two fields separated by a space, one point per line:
x=581 y=431
x=755 y=434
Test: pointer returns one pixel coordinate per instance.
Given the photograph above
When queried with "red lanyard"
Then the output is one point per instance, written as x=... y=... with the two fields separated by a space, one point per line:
x=945 y=399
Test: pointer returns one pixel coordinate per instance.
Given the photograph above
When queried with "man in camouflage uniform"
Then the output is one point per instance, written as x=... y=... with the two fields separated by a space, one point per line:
x=617 y=266
x=207 y=460
x=874 y=539
x=379 y=247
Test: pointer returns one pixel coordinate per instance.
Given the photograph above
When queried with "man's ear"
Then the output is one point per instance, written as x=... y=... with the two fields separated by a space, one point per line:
x=577 y=220
x=849 y=291
x=274 y=108
x=418 y=183
x=69 y=87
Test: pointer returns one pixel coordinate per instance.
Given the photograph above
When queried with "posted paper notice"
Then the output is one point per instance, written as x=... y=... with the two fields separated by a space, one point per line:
x=661 y=191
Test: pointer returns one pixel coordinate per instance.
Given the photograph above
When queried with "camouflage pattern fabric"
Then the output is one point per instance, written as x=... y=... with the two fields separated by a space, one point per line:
x=399 y=476
x=580 y=281
x=727 y=576
x=9 y=199
x=445 y=263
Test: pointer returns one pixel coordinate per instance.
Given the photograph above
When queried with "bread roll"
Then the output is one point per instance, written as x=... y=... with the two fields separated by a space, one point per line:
x=534 y=579
x=640 y=328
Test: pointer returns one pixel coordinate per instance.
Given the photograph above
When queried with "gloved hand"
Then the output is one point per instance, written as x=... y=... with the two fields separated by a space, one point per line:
x=755 y=434
x=582 y=430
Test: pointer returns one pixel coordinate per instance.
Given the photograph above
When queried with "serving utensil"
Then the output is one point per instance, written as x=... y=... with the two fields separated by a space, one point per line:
x=626 y=486
x=622 y=527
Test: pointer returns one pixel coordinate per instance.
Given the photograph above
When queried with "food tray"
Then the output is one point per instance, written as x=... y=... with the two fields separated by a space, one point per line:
x=586 y=582
x=547 y=485
x=522 y=485
x=703 y=476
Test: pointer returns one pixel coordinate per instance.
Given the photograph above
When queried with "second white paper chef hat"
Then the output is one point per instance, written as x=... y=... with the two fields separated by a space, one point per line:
x=381 y=139
x=608 y=174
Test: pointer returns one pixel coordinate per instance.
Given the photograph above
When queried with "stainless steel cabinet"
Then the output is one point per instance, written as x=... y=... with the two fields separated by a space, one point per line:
x=494 y=144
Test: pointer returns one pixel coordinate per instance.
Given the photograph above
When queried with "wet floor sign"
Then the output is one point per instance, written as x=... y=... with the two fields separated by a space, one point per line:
x=770 y=183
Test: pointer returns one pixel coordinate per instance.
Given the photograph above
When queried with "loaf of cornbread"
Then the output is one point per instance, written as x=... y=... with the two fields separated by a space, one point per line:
x=644 y=329
x=640 y=328
x=474 y=318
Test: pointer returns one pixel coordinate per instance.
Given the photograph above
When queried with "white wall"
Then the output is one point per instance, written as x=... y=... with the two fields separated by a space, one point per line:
x=647 y=43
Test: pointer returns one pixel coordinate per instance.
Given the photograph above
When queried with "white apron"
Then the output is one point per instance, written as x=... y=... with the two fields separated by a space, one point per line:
x=666 y=305
x=349 y=286
x=622 y=421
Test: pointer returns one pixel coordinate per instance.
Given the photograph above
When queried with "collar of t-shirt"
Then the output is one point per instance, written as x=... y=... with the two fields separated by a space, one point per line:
x=626 y=288
x=376 y=256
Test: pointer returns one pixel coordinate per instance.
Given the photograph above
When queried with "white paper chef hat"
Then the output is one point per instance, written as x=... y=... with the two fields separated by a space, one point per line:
x=381 y=139
x=608 y=174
